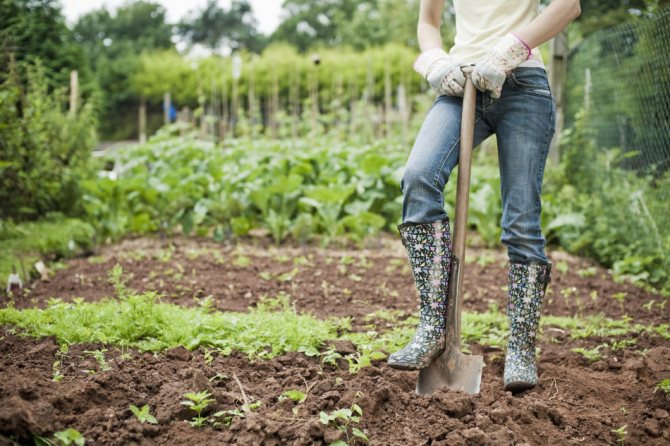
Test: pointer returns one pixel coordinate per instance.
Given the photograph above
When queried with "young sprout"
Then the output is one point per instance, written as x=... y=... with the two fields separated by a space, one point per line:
x=621 y=434
x=620 y=297
x=197 y=402
x=143 y=415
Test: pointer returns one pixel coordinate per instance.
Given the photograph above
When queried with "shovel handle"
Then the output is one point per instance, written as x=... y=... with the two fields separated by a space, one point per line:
x=462 y=200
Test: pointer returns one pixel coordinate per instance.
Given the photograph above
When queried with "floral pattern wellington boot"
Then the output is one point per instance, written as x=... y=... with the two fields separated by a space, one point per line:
x=428 y=247
x=527 y=286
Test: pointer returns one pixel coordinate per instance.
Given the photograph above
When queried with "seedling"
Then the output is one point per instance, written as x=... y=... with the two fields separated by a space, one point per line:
x=226 y=417
x=57 y=375
x=197 y=402
x=143 y=415
x=664 y=385
x=344 y=419
x=218 y=377
x=242 y=261
x=620 y=297
x=208 y=356
x=99 y=356
x=294 y=395
x=69 y=437
x=592 y=355
x=330 y=357
x=587 y=272
x=562 y=267
x=621 y=434
x=118 y=282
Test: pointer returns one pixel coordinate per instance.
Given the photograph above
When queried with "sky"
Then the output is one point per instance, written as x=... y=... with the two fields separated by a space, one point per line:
x=265 y=11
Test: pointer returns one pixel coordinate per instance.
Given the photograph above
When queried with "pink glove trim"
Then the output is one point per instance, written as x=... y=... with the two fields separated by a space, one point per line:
x=530 y=52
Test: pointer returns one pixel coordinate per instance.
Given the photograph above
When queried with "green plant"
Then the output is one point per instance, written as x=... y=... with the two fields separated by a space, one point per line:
x=197 y=402
x=345 y=420
x=664 y=385
x=143 y=415
x=294 y=395
x=99 y=356
x=69 y=437
x=592 y=355
x=621 y=434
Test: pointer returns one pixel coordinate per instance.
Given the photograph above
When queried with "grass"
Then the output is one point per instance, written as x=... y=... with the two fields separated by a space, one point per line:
x=22 y=245
x=143 y=321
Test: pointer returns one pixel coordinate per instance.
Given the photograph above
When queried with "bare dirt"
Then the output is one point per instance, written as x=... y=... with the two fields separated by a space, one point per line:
x=578 y=402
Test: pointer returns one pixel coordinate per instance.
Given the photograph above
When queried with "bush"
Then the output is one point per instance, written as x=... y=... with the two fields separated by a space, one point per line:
x=595 y=208
x=44 y=150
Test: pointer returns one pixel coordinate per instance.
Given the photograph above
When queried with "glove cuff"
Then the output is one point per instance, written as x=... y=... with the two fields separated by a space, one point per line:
x=430 y=63
x=510 y=52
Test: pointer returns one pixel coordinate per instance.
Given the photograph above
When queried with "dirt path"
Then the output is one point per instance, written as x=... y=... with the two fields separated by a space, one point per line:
x=576 y=403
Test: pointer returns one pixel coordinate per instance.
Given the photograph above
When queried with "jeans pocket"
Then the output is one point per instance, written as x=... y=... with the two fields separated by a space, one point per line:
x=533 y=82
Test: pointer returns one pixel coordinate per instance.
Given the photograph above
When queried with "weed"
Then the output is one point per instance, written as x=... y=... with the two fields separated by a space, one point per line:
x=143 y=415
x=197 y=402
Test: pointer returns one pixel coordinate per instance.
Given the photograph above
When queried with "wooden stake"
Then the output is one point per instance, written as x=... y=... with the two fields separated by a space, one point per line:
x=74 y=92
x=143 y=121
x=167 y=102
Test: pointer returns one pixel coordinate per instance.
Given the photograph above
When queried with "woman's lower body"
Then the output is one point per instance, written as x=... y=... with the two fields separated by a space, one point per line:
x=523 y=120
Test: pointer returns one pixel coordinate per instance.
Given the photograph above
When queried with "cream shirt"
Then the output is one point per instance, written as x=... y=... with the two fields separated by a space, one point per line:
x=481 y=23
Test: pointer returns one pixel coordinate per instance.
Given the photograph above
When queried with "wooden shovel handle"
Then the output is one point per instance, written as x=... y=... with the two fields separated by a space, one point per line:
x=462 y=200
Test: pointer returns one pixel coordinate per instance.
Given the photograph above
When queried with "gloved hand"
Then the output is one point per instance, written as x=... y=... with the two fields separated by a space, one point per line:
x=492 y=69
x=442 y=72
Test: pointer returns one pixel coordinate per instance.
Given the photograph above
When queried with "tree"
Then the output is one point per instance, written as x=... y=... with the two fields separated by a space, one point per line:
x=215 y=27
x=113 y=44
x=356 y=23
x=35 y=29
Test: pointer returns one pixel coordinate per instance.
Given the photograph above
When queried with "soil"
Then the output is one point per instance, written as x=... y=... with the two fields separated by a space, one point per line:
x=577 y=402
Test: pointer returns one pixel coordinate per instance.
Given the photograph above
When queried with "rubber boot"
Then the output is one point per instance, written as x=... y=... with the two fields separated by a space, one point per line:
x=428 y=247
x=527 y=286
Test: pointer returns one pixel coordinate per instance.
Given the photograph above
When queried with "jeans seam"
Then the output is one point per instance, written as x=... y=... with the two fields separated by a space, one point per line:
x=545 y=154
x=444 y=159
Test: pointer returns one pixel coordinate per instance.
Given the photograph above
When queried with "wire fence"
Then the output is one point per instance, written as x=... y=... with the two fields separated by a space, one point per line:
x=621 y=76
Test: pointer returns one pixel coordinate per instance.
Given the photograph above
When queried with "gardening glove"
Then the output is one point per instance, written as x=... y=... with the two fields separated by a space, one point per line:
x=442 y=72
x=492 y=69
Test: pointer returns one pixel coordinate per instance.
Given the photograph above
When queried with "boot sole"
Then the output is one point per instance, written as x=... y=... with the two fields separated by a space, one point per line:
x=405 y=367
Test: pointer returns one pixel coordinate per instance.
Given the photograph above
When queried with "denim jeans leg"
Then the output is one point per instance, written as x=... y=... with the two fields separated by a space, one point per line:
x=433 y=157
x=524 y=122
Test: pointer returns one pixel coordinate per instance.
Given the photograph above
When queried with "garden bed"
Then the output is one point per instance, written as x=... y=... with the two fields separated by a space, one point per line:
x=583 y=398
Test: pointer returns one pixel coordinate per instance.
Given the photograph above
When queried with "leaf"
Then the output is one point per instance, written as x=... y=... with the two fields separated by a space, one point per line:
x=356 y=408
x=295 y=395
x=325 y=418
x=359 y=433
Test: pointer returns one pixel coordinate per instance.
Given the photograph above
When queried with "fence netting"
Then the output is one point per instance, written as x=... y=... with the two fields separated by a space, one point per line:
x=621 y=76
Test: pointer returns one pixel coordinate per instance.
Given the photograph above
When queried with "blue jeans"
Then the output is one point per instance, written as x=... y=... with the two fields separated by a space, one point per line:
x=523 y=119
